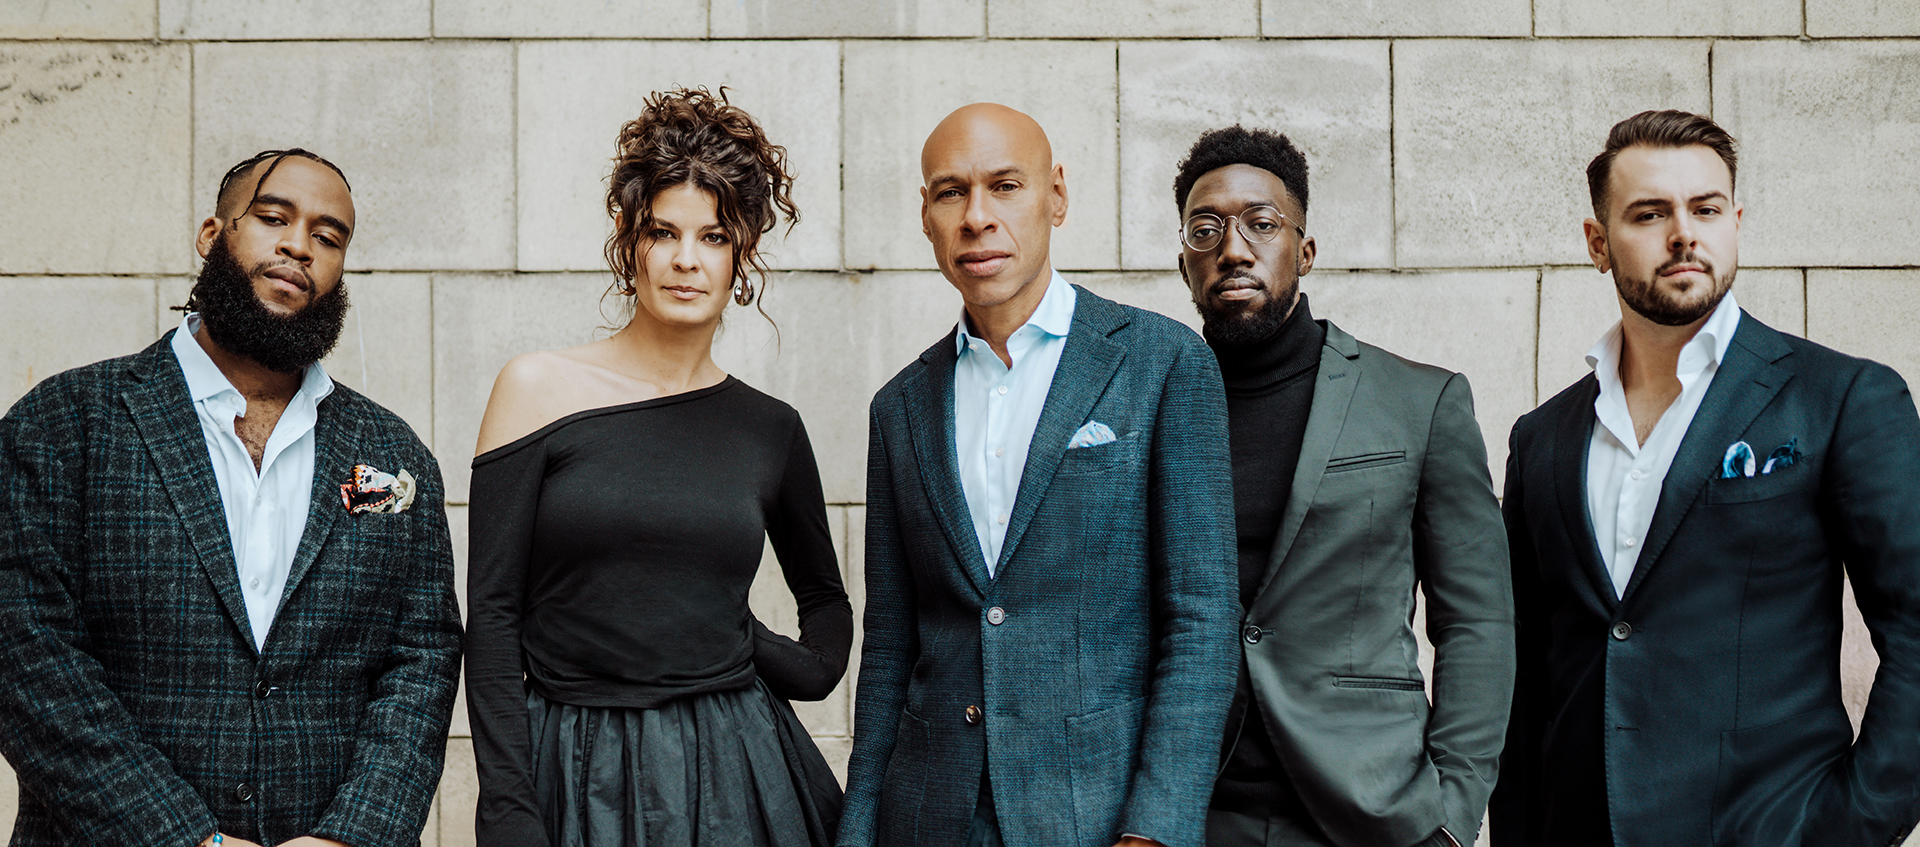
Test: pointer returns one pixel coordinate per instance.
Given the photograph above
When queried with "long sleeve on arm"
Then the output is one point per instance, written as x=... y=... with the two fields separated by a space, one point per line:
x=75 y=748
x=807 y=669
x=505 y=499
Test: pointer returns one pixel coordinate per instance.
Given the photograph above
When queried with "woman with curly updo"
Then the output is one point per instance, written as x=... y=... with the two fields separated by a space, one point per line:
x=619 y=689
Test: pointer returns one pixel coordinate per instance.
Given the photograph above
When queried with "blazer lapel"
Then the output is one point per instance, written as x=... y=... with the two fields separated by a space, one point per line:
x=928 y=395
x=1571 y=443
x=333 y=439
x=1743 y=386
x=1332 y=397
x=163 y=412
x=1087 y=363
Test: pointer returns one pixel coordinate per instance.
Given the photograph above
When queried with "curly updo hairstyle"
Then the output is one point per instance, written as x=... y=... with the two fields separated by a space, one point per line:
x=692 y=137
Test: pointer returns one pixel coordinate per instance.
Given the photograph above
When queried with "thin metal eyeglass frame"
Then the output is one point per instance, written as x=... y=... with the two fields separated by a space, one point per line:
x=1239 y=224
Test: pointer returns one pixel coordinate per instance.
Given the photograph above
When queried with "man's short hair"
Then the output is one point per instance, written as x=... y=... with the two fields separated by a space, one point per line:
x=1237 y=145
x=1664 y=128
x=224 y=200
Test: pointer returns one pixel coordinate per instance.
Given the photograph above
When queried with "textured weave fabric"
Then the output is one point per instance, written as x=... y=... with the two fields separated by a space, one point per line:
x=130 y=707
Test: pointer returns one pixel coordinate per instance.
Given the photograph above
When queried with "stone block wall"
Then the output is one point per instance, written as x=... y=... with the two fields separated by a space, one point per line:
x=1447 y=140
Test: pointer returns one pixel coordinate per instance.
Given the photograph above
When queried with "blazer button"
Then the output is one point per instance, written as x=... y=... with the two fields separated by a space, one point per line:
x=996 y=616
x=973 y=715
x=1251 y=633
x=1621 y=630
x=243 y=792
x=262 y=690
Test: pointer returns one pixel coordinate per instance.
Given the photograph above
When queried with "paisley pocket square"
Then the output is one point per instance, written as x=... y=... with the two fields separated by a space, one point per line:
x=1740 y=461
x=1092 y=434
x=373 y=492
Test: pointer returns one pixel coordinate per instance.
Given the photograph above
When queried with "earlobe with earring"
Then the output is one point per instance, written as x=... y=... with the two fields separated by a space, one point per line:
x=743 y=293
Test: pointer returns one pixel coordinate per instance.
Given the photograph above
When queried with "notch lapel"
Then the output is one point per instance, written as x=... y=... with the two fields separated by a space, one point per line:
x=1743 y=386
x=1326 y=417
x=163 y=413
x=1571 y=442
x=928 y=397
x=333 y=438
x=1087 y=363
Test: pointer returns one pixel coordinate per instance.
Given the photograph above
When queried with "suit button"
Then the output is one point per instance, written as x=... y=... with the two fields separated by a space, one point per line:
x=996 y=616
x=1621 y=630
x=973 y=715
x=262 y=690
x=243 y=792
x=1251 y=633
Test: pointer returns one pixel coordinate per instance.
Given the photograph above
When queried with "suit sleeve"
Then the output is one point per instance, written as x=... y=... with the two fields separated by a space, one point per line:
x=1194 y=592
x=807 y=669
x=890 y=646
x=73 y=745
x=402 y=735
x=505 y=498
x=1872 y=517
x=1514 y=817
x=1460 y=554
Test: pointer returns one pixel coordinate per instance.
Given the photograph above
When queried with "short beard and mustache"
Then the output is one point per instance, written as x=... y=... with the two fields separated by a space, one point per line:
x=240 y=324
x=1646 y=299
x=1241 y=325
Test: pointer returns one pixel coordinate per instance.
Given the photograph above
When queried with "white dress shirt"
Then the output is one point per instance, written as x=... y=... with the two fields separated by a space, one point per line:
x=1624 y=477
x=995 y=409
x=266 y=509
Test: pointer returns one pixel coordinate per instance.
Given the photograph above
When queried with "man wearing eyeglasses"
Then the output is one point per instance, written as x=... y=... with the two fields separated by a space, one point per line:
x=1358 y=477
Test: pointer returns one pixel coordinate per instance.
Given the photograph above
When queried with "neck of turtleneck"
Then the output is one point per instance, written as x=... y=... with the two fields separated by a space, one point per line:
x=1292 y=348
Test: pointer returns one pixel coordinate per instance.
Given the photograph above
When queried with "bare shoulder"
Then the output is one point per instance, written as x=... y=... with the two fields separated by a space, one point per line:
x=533 y=390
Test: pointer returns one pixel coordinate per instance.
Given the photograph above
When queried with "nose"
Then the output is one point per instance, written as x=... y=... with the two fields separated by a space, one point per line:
x=1235 y=249
x=686 y=255
x=296 y=243
x=1681 y=237
x=978 y=217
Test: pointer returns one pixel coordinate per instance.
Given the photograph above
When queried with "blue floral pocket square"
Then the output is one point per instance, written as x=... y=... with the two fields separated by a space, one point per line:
x=1740 y=461
x=1093 y=434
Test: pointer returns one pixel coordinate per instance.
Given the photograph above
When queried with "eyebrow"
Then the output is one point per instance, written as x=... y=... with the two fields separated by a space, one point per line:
x=1715 y=194
x=943 y=179
x=1210 y=209
x=277 y=200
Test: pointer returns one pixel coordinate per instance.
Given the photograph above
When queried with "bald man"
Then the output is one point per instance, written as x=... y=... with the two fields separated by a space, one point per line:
x=1049 y=644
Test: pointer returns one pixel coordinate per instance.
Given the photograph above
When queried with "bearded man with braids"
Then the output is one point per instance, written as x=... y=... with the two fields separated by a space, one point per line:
x=226 y=586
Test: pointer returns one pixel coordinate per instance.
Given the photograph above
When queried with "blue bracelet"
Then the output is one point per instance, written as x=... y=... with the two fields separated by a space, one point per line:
x=219 y=839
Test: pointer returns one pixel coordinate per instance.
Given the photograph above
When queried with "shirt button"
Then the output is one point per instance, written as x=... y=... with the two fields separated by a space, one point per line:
x=996 y=616
x=254 y=584
x=999 y=451
x=974 y=715
x=1003 y=518
x=1635 y=475
x=1002 y=389
x=1628 y=541
x=1622 y=630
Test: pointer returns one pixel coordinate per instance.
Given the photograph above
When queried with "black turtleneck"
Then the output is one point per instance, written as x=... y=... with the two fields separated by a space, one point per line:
x=1269 y=394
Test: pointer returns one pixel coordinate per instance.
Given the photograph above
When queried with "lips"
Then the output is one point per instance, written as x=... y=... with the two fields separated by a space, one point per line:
x=982 y=262
x=683 y=292
x=1687 y=267
x=290 y=276
x=1238 y=288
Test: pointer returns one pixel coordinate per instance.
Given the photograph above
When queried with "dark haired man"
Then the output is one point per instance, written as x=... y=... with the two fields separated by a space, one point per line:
x=1681 y=522
x=1358 y=477
x=226 y=586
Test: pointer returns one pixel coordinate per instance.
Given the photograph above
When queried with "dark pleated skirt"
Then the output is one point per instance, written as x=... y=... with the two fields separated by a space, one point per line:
x=728 y=769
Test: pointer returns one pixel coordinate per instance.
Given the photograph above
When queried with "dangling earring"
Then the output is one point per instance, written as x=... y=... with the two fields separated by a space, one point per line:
x=743 y=293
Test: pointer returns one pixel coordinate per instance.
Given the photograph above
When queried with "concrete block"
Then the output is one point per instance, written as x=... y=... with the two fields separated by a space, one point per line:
x=482 y=320
x=849 y=19
x=1331 y=98
x=459 y=795
x=457 y=529
x=242 y=20
x=773 y=604
x=1161 y=292
x=1479 y=323
x=1871 y=18
x=423 y=131
x=567 y=132
x=1868 y=314
x=95 y=133
x=1492 y=140
x=89 y=19
x=1578 y=305
x=1829 y=149
x=905 y=88
x=856 y=565
x=53 y=324
x=1124 y=19
x=1667 y=18
x=842 y=336
x=10 y=797
x=547 y=19
x=1309 y=19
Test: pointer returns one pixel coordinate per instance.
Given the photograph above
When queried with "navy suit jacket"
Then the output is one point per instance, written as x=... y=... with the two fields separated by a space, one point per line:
x=1103 y=677
x=1703 y=706
x=134 y=706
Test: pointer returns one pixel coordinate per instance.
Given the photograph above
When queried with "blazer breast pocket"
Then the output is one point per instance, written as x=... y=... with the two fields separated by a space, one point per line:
x=1753 y=489
x=1363 y=461
x=1121 y=451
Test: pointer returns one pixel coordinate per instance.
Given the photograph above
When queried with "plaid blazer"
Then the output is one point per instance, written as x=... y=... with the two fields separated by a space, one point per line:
x=135 y=707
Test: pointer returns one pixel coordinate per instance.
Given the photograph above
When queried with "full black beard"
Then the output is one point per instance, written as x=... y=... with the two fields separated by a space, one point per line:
x=1646 y=300
x=1241 y=326
x=242 y=325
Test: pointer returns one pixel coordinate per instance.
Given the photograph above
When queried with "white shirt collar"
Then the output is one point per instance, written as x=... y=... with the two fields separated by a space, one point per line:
x=1708 y=346
x=205 y=381
x=1054 y=315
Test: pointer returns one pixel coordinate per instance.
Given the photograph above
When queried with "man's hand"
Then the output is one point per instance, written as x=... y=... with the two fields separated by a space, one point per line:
x=1137 y=841
x=310 y=841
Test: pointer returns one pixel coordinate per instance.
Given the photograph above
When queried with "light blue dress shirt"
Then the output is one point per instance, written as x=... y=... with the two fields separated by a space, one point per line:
x=995 y=409
x=266 y=508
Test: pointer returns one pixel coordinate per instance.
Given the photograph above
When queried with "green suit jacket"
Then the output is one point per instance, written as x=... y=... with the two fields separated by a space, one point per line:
x=1391 y=496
